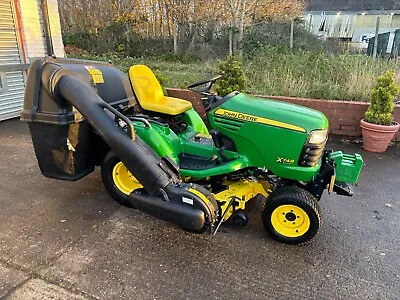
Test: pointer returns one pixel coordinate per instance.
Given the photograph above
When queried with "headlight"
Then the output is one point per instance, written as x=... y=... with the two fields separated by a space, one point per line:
x=317 y=137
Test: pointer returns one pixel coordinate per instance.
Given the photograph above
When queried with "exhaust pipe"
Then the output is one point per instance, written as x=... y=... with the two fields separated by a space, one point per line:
x=181 y=214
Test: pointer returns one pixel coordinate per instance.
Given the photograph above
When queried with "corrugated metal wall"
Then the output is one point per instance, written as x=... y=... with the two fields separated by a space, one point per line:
x=11 y=82
x=358 y=27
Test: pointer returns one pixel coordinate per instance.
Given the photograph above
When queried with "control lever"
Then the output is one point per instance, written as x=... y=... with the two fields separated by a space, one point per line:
x=215 y=137
x=218 y=143
x=206 y=103
x=221 y=153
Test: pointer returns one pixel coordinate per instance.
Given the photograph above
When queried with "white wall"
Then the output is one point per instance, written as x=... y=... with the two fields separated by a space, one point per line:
x=33 y=28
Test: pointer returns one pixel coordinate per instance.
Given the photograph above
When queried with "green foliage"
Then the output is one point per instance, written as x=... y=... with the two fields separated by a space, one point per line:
x=313 y=74
x=81 y=40
x=114 y=38
x=177 y=74
x=184 y=58
x=383 y=95
x=117 y=37
x=277 y=34
x=275 y=72
x=232 y=76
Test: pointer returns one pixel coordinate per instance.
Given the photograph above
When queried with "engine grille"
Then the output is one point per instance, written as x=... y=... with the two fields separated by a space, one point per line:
x=230 y=124
x=310 y=154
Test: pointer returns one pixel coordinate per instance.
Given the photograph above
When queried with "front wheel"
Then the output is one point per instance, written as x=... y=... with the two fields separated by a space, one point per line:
x=291 y=215
x=118 y=180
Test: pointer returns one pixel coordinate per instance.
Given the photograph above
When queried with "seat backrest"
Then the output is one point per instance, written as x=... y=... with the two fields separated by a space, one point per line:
x=145 y=84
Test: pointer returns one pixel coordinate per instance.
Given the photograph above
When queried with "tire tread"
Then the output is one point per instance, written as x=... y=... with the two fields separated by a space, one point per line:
x=292 y=195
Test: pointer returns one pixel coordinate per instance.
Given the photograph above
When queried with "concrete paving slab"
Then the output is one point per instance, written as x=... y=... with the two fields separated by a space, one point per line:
x=41 y=217
x=37 y=289
x=10 y=279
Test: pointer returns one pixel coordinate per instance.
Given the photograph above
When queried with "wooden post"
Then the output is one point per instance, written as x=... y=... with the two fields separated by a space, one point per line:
x=375 y=53
x=292 y=34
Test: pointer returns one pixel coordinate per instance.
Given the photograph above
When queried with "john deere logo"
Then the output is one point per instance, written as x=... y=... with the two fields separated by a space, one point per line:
x=236 y=115
x=249 y=118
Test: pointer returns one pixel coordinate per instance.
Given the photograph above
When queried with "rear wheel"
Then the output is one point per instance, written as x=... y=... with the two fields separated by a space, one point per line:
x=118 y=180
x=291 y=215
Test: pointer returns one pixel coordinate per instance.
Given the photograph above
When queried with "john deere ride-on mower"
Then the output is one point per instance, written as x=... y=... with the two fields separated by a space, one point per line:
x=158 y=155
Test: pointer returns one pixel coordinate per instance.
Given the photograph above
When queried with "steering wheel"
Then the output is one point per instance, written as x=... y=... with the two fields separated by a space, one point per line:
x=205 y=90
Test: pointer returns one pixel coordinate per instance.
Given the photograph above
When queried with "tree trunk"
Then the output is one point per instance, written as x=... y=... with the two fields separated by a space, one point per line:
x=176 y=38
x=153 y=25
x=230 y=42
x=292 y=34
x=191 y=15
x=169 y=19
x=241 y=27
x=161 y=14
x=193 y=41
x=234 y=31
x=128 y=40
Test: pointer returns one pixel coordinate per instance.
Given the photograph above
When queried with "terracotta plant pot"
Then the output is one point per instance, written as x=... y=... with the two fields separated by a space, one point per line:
x=376 y=138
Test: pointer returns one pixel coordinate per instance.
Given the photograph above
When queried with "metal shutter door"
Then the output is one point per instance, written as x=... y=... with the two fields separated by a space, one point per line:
x=12 y=83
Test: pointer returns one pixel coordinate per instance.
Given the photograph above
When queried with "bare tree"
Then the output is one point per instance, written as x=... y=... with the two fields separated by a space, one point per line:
x=243 y=11
x=191 y=20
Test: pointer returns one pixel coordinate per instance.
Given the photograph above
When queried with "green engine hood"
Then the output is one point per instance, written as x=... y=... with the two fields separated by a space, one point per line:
x=271 y=112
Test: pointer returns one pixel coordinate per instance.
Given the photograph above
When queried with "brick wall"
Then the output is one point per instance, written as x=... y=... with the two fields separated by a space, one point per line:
x=33 y=28
x=344 y=116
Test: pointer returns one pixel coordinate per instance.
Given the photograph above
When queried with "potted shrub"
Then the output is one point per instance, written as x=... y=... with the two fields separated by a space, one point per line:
x=378 y=127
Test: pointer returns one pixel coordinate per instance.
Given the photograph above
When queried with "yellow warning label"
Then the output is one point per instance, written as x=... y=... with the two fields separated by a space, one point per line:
x=96 y=74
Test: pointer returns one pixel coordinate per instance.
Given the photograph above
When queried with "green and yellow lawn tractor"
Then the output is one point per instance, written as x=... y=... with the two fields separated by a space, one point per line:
x=158 y=155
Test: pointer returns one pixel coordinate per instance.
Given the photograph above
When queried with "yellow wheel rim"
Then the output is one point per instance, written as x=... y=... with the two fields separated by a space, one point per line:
x=290 y=221
x=124 y=180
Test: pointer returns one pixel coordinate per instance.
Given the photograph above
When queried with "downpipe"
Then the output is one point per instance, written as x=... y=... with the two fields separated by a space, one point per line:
x=181 y=205
x=185 y=216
